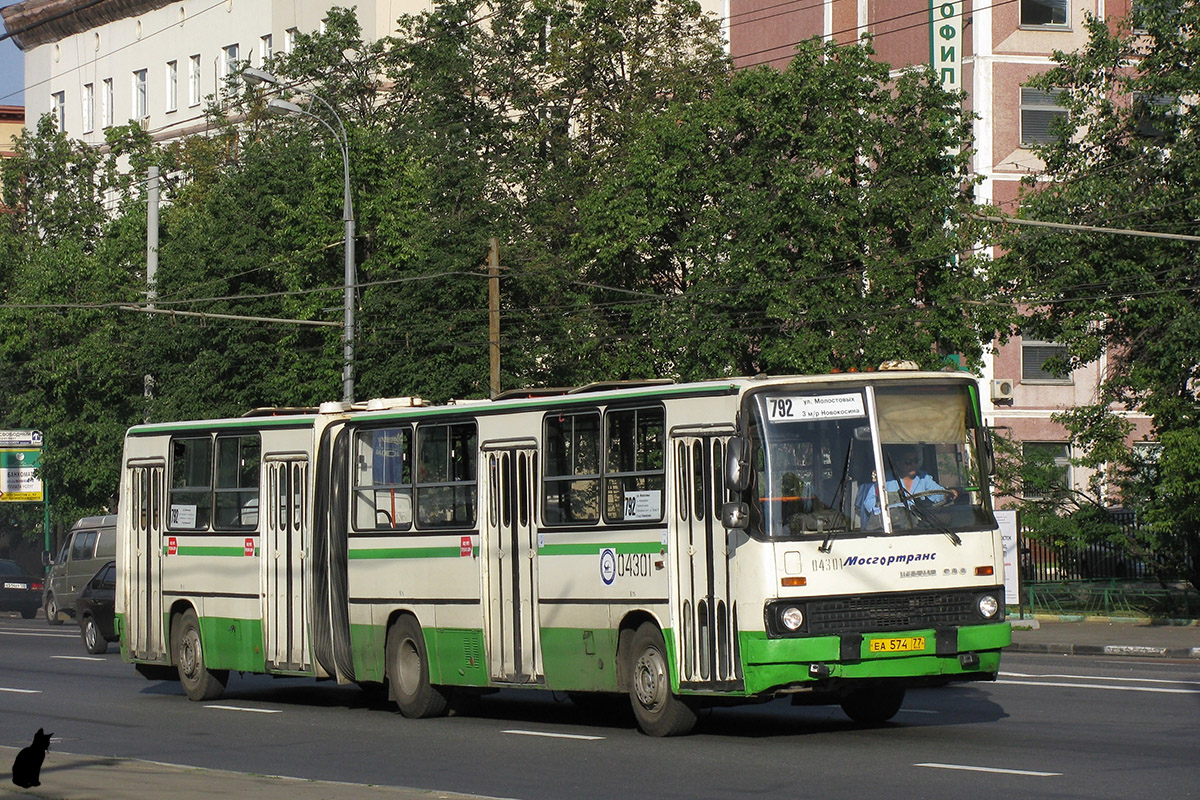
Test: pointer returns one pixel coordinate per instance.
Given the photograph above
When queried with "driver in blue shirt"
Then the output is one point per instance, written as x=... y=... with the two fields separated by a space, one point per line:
x=906 y=461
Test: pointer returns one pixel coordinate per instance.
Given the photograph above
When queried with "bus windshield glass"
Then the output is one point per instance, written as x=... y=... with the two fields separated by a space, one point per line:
x=819 y=456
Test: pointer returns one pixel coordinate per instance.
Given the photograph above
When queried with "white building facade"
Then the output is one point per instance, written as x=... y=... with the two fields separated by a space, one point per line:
x=95 y=65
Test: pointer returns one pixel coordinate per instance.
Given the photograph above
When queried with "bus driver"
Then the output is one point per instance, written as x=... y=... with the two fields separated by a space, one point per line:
x=907 y=461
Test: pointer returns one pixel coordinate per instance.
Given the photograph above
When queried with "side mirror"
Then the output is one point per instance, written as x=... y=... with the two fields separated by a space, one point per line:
x=735 y=516
x=47 y=561
x=737 y=465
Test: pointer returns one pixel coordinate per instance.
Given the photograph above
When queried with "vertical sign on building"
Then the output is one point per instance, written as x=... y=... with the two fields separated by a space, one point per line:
x=945 y=42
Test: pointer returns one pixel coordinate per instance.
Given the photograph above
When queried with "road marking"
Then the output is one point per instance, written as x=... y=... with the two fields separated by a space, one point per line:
x=997 y=770
x=250 y=710
x=1096 y=678
x=46 y=634
x=556 y=735
x=20 y=691
x=80 y=658
x=1152 y=689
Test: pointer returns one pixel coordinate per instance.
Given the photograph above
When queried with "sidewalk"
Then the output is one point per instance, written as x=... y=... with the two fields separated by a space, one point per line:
x=73 y=777
x=1092 y=636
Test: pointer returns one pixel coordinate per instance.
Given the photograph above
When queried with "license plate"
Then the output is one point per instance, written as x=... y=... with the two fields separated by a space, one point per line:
x=8 y=585
x=906 y=644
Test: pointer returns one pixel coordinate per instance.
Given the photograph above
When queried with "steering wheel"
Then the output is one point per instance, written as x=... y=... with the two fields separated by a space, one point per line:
x=948 y=496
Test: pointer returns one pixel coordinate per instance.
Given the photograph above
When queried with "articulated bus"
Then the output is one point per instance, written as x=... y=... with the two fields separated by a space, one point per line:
x=824 y=538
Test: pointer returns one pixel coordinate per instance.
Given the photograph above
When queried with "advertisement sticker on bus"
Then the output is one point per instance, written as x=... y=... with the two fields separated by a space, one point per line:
x=827 y=406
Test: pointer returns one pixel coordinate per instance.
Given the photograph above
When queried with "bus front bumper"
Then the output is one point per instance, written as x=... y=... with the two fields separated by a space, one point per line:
x=969 y=652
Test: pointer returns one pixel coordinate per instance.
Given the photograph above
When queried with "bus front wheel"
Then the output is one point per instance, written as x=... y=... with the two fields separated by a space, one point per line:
x=873 y=705
x=198 y=681
x=408 y=672
x=658 y=710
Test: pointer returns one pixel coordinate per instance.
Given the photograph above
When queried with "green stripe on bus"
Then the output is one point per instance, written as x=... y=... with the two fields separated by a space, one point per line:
x=594 y=548
x=411 y=552
x=239 y=551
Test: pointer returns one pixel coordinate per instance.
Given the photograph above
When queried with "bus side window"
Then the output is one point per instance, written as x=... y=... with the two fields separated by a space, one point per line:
x=571 y=481
x=383 y=479
x=447 y=457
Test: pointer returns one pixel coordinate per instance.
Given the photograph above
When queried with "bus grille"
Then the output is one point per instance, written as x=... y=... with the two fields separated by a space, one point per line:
x=889 y=612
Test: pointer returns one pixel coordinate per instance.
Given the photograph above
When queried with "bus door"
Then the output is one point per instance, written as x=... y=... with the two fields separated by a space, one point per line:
x=285 y=538
x=707 y=616
x=143 y=632
x=510 y=547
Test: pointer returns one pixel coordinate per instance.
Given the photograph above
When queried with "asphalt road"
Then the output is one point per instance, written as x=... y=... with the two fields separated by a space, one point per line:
x=1052 y=726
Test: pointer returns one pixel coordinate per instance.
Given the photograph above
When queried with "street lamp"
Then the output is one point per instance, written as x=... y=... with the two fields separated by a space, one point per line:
x=282 y=107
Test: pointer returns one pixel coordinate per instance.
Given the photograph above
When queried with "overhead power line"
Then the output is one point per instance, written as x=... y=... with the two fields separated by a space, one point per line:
x=1180 y=237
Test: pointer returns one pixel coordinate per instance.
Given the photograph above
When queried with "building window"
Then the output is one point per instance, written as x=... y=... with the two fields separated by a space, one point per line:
x=1034 y=355
x=140 y=108
x=264 y=50
x=290 y=37
x=89 y=107
x=106 y=103
x=1039 y=110
x=172 y=85
x=1046 y=471
x=1044 y=13
x=229 y=62
x=194 y=80
x=58 y=107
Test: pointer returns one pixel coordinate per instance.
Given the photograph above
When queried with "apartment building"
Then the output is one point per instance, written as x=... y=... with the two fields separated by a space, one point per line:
x=95 y=65
x=989 y=49
x=98 y=63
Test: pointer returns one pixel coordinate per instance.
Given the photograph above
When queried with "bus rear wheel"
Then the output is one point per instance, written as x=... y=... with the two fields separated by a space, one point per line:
x=658 y=710
x=873 y=705
x=198 y=681
x=408 y=672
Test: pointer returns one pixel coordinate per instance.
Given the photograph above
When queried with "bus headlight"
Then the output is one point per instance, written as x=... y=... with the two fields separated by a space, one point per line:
x=988 y=606
x=792 y=618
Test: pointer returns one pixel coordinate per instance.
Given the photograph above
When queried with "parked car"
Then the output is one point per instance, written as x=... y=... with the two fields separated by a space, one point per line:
x=91 y=543
x=94 y=609
x=19 y=591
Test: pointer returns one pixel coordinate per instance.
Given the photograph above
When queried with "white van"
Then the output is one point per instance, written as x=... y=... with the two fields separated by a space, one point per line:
x=91 y=543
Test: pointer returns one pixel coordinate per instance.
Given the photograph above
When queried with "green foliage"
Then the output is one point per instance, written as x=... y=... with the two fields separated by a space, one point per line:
x=658 y=214
x=1127 y=157
x=797 y=221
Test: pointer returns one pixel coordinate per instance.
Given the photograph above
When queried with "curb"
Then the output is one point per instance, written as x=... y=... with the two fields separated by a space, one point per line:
x=1138 y=651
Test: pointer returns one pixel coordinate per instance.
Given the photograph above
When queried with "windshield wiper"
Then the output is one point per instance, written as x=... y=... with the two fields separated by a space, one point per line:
x=838 y=499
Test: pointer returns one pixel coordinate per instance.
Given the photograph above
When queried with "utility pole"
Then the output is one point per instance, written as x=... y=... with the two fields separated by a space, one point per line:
x=151 y=260
x=493 y=268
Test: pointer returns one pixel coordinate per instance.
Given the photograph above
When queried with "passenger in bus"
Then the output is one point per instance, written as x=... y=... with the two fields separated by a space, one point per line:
x=906 y=460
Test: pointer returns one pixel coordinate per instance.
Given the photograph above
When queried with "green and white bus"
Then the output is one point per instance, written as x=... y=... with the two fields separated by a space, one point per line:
x=682 y=544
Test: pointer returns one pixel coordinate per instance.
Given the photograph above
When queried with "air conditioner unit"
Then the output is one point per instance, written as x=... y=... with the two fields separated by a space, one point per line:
x=1002 y=389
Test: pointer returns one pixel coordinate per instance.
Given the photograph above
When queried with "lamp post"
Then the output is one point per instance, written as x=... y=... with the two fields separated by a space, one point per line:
x=283 y=107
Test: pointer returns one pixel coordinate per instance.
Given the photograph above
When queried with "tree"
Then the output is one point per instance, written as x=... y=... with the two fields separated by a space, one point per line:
x=804 y=220
x=1126 y=155
x=68 y=357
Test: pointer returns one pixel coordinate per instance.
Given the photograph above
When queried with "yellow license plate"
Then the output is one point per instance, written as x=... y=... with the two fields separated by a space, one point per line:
x=905 y=644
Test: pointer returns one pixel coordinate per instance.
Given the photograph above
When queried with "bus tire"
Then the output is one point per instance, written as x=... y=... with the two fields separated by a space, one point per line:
x=198 y=680
x=659 y=712
x=408 y=672
x=874 y=704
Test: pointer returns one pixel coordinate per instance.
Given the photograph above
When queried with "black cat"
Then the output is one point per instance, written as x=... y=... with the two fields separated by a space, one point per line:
x=28 y=766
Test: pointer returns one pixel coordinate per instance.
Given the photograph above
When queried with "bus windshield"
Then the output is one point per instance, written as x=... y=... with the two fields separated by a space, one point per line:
x=888 y=459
